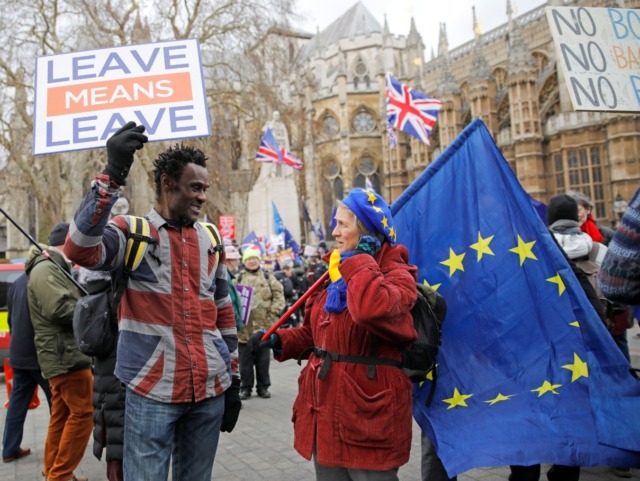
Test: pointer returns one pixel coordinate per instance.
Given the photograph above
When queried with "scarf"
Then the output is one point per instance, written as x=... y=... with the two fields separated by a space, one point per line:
x=337 y=291
x=591 y=228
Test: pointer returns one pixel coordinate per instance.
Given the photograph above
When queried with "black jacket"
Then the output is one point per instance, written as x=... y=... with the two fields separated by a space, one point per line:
x=108 y=392
x=22 y=350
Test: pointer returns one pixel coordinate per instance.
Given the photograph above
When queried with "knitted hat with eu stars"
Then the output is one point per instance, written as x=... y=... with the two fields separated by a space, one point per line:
x=372 y=211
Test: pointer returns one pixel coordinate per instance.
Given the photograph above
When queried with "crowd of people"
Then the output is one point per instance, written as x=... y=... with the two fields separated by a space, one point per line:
x=190 y=351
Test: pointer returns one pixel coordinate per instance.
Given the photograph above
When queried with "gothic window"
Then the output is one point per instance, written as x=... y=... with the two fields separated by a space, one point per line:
x=360 y=74
x=367 y=175
x=292 y=52
x=329 y=126
x=541 y=61
x=332 y=170
x=581 y=170
x=333 y=189
x=363 y=122
x=500 y=75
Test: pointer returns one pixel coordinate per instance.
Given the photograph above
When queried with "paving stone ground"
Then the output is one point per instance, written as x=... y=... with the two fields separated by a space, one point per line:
x=260 y=447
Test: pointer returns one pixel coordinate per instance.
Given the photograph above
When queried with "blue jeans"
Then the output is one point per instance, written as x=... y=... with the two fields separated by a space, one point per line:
x=155 y=433
x=24 y=384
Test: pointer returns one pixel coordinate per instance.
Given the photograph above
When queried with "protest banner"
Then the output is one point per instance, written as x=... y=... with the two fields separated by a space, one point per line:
x=82 y=98
x=599 y=52
x=246 y=295
x=227 y=226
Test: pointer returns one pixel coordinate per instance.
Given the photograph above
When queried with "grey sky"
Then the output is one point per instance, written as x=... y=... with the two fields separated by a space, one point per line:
x=428 y=14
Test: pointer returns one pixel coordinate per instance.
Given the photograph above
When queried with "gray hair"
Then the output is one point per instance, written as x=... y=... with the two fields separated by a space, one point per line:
x=581 y=199
x=359 y=225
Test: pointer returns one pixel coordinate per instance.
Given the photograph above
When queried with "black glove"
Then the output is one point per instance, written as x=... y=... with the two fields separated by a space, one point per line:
x=369 y=244
x=273 y=342
x=232 y=406
x=254 y=340
x=120 y=149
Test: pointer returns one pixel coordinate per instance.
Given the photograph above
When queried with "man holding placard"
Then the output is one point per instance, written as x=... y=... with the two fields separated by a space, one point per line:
x=177 y=349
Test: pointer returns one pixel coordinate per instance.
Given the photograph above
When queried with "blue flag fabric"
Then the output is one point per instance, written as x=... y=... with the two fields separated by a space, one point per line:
x=541 y=209
x=278 y=226
x=252 y=240
x=527 y=372
x=290 y=242
x=307 y=217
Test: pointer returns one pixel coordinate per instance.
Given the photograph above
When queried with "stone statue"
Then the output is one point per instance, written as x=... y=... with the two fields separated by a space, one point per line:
x=279 y=130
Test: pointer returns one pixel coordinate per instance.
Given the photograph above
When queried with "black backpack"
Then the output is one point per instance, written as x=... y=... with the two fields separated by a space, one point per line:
x=417 y=362
x=428 y=314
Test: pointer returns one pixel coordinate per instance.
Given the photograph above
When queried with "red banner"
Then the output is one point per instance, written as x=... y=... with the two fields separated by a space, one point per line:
x=227 y=226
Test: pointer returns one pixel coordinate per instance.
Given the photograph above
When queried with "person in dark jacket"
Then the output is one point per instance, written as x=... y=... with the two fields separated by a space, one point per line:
x=52 y=299
x=23 y=360
x=293 y=289
x=108 y=392
x=233 y=261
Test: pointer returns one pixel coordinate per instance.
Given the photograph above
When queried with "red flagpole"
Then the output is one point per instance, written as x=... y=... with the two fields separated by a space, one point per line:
x=295 y=306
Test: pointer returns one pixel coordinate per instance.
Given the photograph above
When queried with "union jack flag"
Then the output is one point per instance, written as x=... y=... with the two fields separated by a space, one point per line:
x=268 y=150
x=410 y=111
x=288 y=158
x=393 y=139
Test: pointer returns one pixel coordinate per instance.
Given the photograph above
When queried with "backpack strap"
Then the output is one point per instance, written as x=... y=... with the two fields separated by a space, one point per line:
x=137 y=243
x=216 y=240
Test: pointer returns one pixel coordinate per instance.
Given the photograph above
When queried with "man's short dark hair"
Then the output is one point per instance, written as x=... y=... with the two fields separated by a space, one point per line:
x=173 y=160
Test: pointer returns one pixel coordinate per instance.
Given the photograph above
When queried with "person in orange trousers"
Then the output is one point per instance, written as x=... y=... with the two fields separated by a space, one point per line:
x=52 y=298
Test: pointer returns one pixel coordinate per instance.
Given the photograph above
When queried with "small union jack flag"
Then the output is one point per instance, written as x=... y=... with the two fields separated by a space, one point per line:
x=410 y=111
x=289 y=159
x=393 y=138
x=268 y=150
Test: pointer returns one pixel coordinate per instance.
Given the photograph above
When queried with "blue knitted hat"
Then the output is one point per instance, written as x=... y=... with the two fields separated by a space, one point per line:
x=372 y=211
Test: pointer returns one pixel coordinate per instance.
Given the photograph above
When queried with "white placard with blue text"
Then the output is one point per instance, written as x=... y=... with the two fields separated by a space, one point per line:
x=82 y=98
x=599 y=52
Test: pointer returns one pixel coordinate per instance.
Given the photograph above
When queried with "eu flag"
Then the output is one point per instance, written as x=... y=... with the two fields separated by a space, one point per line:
x=527 y=372
x=278 y=226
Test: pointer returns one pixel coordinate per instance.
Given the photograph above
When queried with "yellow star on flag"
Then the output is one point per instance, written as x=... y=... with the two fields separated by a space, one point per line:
x=377 y=209
x=428 y=377
x=454 y=262
x=385 y=222
x=392 y=233
x=578 y=368
x=574 y=324
x=546 y=387
x=524 y=250
x=434 y=287
x=557 y=280
x=457 y=399
x=372 y=197
x=498 y=398
x=482 y=246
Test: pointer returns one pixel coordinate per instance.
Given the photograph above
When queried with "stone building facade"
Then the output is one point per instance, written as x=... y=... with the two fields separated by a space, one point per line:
x=508 y=76
x=331 y=98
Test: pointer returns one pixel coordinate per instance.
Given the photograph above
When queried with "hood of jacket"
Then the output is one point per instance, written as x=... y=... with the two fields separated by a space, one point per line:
x=36 y=257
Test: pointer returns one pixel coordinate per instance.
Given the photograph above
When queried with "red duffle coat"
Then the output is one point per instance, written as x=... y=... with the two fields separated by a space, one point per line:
x=351 y=420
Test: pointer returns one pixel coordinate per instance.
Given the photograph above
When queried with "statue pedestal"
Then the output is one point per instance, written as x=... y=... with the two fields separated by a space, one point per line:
x=282 y=192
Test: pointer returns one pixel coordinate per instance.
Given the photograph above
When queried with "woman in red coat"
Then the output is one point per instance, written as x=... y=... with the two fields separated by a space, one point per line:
x=353 y=410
